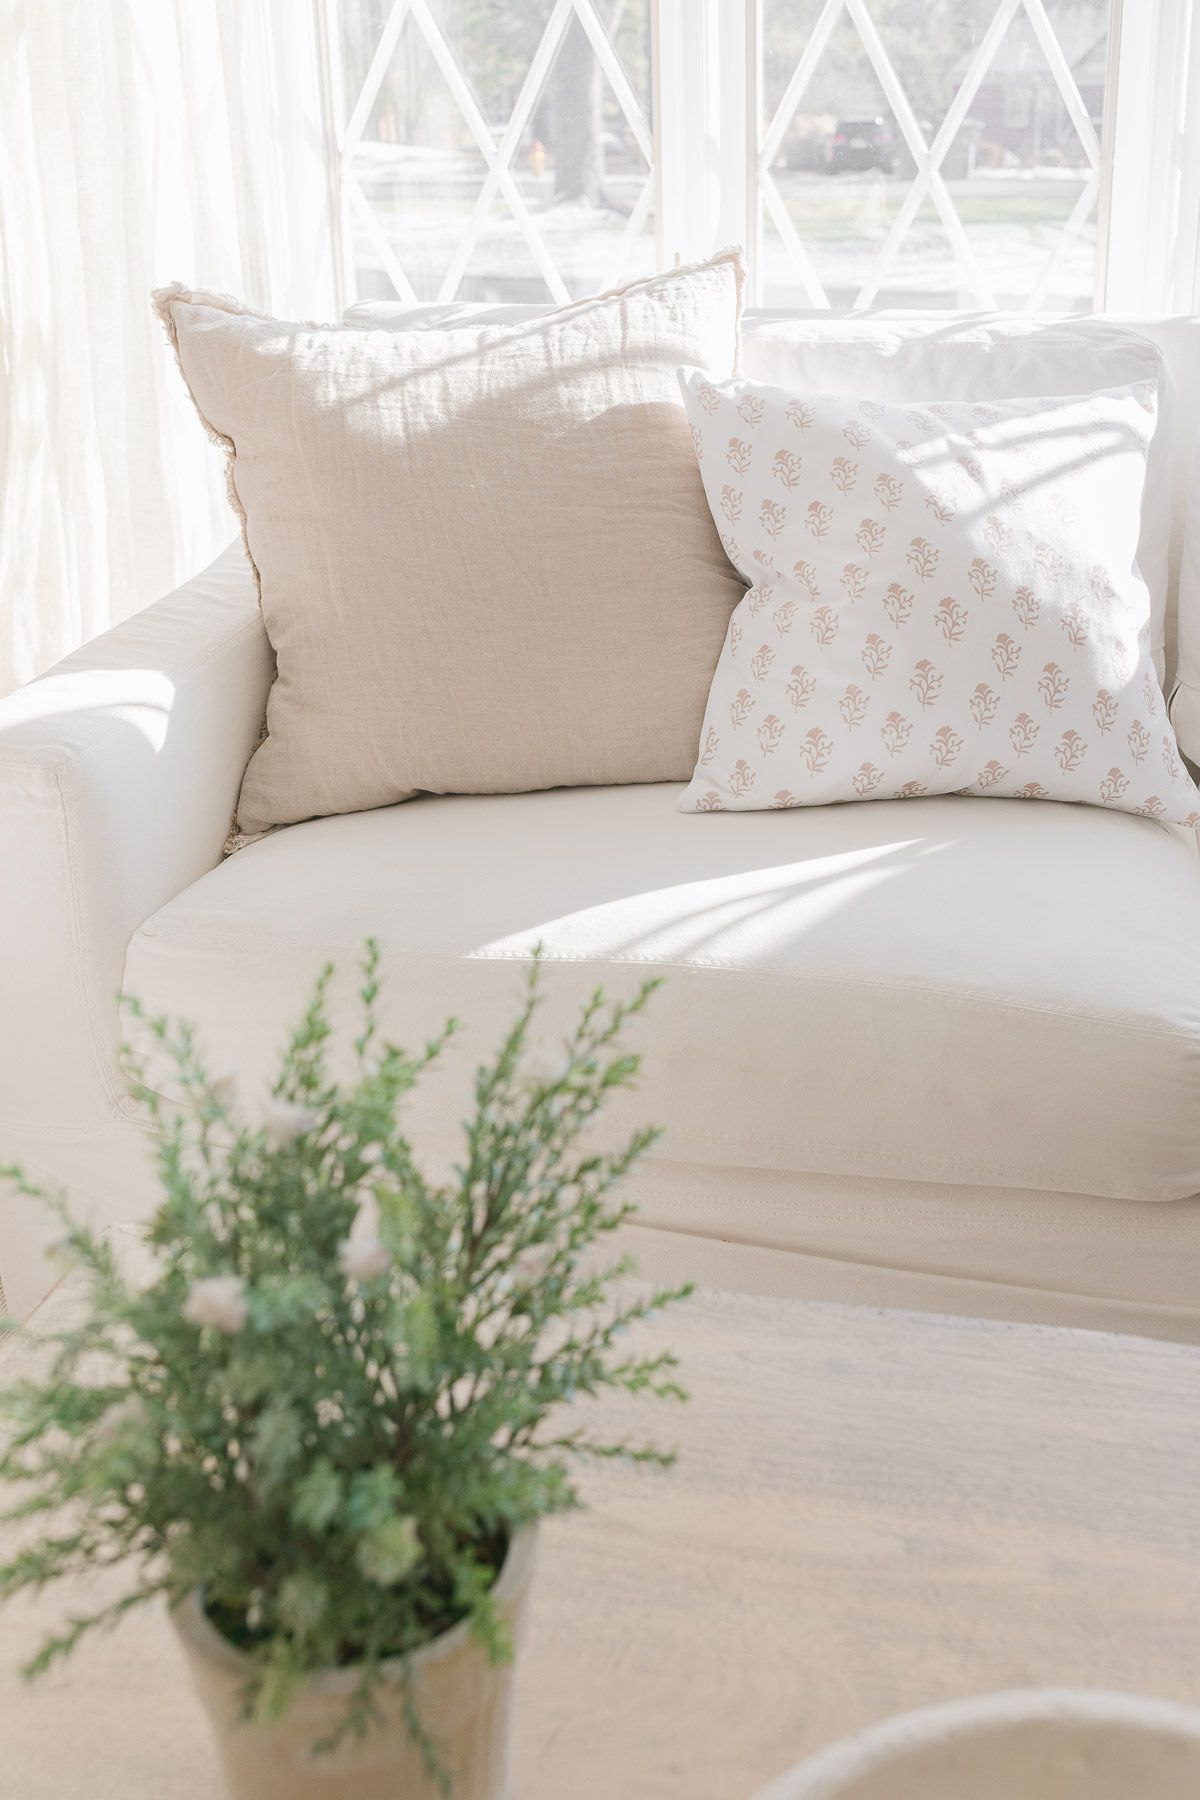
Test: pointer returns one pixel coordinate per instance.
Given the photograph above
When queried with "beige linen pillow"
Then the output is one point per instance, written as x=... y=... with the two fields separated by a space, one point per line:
x=485 y=559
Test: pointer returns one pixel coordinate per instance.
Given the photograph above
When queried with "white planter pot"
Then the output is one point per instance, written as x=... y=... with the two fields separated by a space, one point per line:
x=1040 y=1744
x=464 y=1701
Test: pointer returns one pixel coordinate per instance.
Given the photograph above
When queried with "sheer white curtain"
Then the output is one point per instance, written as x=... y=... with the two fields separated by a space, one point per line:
x=141 y=141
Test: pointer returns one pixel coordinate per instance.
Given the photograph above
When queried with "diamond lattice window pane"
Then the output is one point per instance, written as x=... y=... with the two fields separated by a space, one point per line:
x=839 y=174
x=497 y=149
x=419 y=170
x=935 y=155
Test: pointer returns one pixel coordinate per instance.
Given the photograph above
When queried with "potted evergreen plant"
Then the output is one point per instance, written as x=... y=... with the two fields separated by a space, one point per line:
x=326 y=1422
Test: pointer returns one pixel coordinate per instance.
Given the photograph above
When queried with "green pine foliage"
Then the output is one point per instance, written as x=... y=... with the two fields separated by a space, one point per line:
x=341 y=1392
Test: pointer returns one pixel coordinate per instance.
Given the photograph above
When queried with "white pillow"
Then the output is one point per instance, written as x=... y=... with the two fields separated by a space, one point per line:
x=944 y=599
x=912 y=359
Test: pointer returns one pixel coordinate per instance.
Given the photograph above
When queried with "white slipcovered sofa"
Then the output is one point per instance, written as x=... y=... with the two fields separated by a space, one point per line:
x=941 y=1053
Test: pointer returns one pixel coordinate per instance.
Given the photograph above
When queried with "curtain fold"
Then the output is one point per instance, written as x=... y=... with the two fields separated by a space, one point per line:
x=140 y=143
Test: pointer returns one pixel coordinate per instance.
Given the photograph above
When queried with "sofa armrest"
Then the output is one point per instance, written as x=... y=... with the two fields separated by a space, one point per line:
x=119 y=773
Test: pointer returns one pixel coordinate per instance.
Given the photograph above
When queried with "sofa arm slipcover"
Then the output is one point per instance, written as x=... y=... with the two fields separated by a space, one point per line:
x=119 y=773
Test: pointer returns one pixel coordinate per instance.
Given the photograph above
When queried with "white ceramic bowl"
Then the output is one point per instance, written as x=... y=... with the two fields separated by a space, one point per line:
x=1039 y=1744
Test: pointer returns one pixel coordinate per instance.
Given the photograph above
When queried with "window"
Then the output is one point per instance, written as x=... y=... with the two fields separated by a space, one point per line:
x=922 y=153
x=495 y=149
x=937 y=155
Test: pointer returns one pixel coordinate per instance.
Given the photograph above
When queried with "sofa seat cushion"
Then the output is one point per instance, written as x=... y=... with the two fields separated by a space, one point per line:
x=997 y=993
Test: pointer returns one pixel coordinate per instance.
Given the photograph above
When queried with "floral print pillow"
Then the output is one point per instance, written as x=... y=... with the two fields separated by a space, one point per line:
x=943 y=598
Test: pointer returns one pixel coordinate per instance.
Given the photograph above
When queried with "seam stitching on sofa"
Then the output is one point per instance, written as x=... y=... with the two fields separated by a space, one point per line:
x=241 y=942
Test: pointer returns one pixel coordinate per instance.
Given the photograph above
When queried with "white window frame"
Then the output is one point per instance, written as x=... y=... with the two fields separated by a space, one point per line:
x=708 y=143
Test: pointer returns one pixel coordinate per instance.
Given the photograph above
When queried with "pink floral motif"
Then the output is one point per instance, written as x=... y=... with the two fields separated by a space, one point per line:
x=853 y=706
x=1006 y=655
x=912 y=790
x=923 y=557
x=711 y=742
x=984 y=702
x=1048 y=559
x=1153 y=808
x=1100 y=583
x=945 y=746
x=889 y=492
x=735 y=638
x=739 y=455
x=941 y=506
x=818 y=518
x=1124 y=658
x=870 y=536
x=1022 y=734
x=760 y=662
x=1074 y=624
x=782 y=799
x=731 y=504
x=801 y=688
x=1139 y=741
x=786 y=468
x=926 y=682
x=950 y=619
x=982 y=578
x=758 y=596
x=785 y=614
x=1150 y=693
x=806 y=575
x=816 y=749
x=708 y=397
x=898 y=604
x=741 y=779
x=1114 y=784
x=876 y=655
x=843 y=474
x=854 y=581
x=857 y=436
x=752 y=407
x=970 y=467
x=1053 y=686
x=766 y=561
x=996 y=531
x=743 y=704
x=772 y=517
x=1171 y=760
x=824 y=625
x=698 y=442
x=1027 y=606
x=770 y=732
x=1070 y=752
x=895 y=732
x=1033 y=790
x=866 y=779
x=991 y=773
x=731 y=546
x=801 y=415
x=1104 y=711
